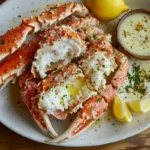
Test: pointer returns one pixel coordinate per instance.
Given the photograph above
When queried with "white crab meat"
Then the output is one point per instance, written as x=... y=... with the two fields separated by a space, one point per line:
x=66 y=94
x=96 y=68
x=59 y=49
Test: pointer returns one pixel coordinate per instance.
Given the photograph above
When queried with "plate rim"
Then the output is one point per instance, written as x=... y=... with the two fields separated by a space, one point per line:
x=64 y=145
x=67 y=145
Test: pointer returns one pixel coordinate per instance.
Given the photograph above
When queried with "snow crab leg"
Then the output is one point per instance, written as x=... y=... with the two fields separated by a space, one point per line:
x=29 y=92
x=70 y=34
x=13 y=65
x=85 y=117
x=94 y=107
x=90 y=112
x=33 y=92
x=14 y=38
x=122 y=62
x=55 y=14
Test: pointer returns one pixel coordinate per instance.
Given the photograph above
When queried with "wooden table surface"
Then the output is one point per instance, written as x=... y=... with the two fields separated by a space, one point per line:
x=12 y=141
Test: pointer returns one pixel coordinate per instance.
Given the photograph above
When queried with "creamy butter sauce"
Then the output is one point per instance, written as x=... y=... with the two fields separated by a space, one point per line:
x=135 y=34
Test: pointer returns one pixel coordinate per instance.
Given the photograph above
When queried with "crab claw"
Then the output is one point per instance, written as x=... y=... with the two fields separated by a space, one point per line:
x=13 y=65
x=29 y=93
x=92 y=109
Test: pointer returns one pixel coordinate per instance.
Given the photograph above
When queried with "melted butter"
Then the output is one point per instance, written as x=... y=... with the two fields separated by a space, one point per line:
x=135 y=34
x=107 y=117
x=74 y=89
x=96 y=124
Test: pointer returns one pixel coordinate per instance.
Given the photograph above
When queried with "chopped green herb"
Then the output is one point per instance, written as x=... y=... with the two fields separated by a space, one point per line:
x=48 y=88
x=105 y=110
x=128 y=87
x=148 y=78
x=57 y=71
x=137 y=80
x=104 y=49
x=78 y=30
x=105 y=75
x=95 y=37
x=79 y=71
x=84 y=55
x=87 y=40
x=66 y=76
x=99 y=100
x=2 y=42
x=99 y=93
x=52 y=63
x=98 y=120
x=75 y=60
x=42 y=97
x=64 y=95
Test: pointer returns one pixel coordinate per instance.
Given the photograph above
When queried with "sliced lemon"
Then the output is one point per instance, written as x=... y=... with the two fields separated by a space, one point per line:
x=107 y=9
x=140 y=105
x=121 y=111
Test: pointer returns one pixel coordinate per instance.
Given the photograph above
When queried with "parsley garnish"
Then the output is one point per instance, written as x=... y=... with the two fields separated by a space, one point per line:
x=99 y=100
x=95 y=37
x=57 y=71
x=105 y=110
x=137 y=80
x=2 y=42
x=104 y=49
x=47 y=88
x=99 y=93
x=65 y=95
x=148 y=78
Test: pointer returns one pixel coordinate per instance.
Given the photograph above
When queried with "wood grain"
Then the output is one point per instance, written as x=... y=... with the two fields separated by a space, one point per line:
x=1 y=1
x=12 y=141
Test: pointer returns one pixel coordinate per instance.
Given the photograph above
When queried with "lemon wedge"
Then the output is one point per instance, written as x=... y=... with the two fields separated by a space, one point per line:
x=121 y=111
x=106 y=9
x=140 y=105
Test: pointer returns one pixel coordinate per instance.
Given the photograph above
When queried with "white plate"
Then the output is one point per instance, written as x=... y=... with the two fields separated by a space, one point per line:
x=14 y=114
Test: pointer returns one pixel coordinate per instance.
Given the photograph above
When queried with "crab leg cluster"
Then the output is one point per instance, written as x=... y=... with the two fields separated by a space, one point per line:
x=71 y=68
x=14 y=64
x=29 y=91
x=14 y=38
x=93 y=108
